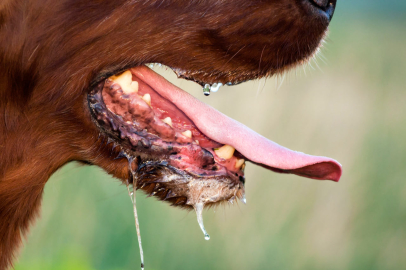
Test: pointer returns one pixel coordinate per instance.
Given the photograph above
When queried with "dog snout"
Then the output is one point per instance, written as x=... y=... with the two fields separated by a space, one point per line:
x=328 y=6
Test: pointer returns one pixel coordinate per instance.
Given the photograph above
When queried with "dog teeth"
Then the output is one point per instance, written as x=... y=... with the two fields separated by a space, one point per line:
x=167 y=121
x=239 y=163
x=147 y=99
x=226 y=151
x=187 y=133
x=125 y=80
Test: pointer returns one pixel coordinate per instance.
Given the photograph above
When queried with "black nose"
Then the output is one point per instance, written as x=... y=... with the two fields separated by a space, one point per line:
x=323 y=4
x=327 y=6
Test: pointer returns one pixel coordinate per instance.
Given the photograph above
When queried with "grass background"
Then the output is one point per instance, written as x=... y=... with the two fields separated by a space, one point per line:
x=348 y=104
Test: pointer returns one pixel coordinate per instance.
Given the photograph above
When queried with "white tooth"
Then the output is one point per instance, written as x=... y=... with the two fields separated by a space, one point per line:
x=147 y=99
x=197 y=142
x=125 y=80
x=239 y=163
x=226 y=151
x=134 y=86
x=168 y=121
x=187 y=133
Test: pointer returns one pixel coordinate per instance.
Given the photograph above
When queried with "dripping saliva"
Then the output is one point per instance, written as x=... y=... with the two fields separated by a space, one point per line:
x=132 y=188
x=207 y=89
x=199 y=212
x=243 y=199
x=215 y=87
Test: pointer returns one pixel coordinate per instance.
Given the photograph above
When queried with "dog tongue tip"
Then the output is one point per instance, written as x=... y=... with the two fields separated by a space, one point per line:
x=314 y=167
x=325 y=170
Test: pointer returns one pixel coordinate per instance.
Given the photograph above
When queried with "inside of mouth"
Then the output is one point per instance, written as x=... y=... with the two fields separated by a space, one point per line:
x=142 y=111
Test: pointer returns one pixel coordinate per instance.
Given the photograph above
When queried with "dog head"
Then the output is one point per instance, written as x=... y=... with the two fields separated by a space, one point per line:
x=74 y=86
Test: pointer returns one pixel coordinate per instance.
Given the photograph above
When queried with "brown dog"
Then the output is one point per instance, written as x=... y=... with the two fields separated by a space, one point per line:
x=59 y=103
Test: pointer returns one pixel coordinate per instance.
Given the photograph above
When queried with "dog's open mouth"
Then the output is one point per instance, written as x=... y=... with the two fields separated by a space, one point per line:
x=185 y=151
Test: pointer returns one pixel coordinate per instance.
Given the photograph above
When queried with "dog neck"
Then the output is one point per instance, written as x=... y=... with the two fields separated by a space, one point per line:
x=25 y=166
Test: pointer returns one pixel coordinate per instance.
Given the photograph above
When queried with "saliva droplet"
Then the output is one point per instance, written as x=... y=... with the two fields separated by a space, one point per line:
x=206 y=89
x=243 y=199
x=199 y=212
x=215 y=87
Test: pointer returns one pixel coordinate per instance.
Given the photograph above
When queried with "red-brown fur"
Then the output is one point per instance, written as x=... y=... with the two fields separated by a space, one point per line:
x=52 y=51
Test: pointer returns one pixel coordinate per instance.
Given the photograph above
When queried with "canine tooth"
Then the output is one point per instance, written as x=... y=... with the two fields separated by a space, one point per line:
x=187 y=133
x=168 y=121
x=197 y=142
x=125 y=80
x=226 y=151
x=147 y=99
x=239 y=163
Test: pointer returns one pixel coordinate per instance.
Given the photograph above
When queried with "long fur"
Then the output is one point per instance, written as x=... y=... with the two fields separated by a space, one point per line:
x=53 y=51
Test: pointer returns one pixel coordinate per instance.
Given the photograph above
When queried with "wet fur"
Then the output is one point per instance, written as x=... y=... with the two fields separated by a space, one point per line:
x=53 y=51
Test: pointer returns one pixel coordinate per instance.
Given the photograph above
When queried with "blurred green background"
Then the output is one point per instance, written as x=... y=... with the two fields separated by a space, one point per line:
x=348 y=104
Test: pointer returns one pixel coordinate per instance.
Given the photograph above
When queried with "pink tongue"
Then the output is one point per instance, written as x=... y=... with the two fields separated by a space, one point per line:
x=252 y=145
